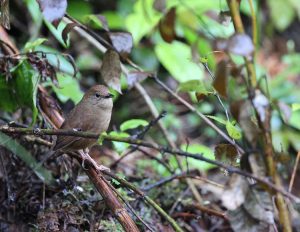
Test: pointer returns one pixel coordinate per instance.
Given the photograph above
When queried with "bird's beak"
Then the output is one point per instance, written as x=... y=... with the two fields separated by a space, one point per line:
x=110 y=95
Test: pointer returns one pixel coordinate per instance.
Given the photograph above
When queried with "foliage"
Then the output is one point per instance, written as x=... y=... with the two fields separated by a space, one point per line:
x=221 y=81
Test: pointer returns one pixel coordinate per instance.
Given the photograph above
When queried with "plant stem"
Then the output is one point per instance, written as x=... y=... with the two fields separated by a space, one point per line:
x=238 y=25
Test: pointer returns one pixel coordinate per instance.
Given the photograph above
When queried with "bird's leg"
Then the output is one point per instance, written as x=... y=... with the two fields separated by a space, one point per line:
x=86 y=156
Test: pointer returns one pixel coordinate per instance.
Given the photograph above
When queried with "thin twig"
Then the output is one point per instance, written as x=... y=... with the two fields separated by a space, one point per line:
x=180 y=176
x=294 y=172
x=139 y=135
x=208 y=211
x=204 y=118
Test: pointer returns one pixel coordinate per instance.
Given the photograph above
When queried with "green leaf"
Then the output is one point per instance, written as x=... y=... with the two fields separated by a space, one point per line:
x=192 y=85
x=34 y=9
x=294 y=120
x=79 y=9
x=68 y=88
x=199 y=149
x=220 y=120
x=57 y=32
x=282 y=13
x=115 y=21
x=20 y=90
x=119 y=146
x=101 y=138
x=30 y=46
x=176 y=58
x=26 y=157
x=114 y=181
x=133 y=123
x=295 y=106
x=94 y=21
x=142 y=20
x=233 y=131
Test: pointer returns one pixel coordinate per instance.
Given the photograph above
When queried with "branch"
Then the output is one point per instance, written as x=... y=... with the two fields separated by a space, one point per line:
x=180 y=176
x=155 y=146
x=202 y=116
x=146 y=198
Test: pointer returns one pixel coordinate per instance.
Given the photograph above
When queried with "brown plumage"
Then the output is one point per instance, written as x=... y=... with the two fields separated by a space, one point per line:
x=92 y=114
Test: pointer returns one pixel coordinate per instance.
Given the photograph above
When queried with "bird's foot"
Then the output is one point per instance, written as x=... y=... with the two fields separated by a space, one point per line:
x=85 y=157
x=103 y=168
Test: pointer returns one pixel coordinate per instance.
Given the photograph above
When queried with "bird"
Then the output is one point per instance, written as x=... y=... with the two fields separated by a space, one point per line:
x=92 y=113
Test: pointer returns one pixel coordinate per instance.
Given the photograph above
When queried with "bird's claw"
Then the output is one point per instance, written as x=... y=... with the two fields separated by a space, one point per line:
x=82 y=163
x=103 y=168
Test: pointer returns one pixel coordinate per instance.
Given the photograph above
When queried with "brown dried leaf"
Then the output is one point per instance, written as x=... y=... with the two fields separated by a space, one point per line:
x=226 y=153
x=167 y=26
x=259 y=204
x=136 y=76
x=67 y=30
x=48 y=221
x=241 y=220
x=243 y=112
x=220 y=82
x=53 y=10
x=4 y=14
x=122 y=42
x=111 y=69
x=235 y=193
x=200 y=96
x=42 y=65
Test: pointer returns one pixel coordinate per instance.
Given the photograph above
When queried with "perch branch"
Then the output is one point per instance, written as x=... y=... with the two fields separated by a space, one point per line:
x=155 y=146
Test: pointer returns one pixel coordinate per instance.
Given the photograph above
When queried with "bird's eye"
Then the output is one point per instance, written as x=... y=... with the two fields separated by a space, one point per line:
x=97 y=95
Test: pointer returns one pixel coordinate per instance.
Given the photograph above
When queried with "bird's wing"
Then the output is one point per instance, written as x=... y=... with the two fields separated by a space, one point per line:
x=65 y=141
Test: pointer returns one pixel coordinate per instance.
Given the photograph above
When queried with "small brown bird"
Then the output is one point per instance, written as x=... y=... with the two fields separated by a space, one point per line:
x=92 y=113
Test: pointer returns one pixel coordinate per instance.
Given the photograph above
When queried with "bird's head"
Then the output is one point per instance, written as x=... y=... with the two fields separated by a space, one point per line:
x=99 y=96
